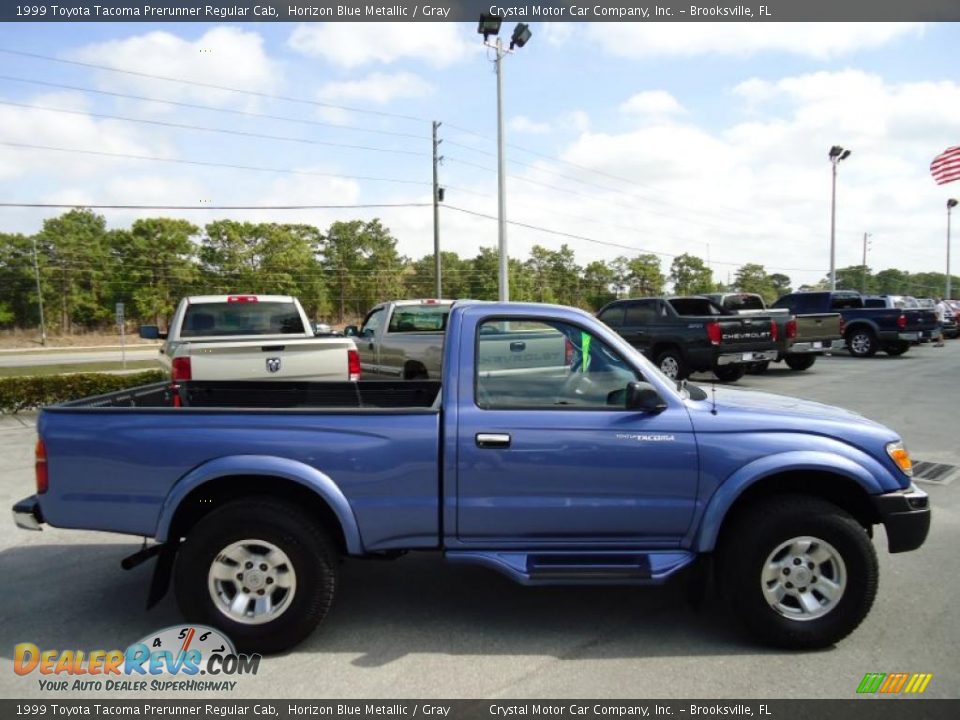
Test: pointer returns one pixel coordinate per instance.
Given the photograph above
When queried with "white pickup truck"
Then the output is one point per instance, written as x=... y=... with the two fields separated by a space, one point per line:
x=250 y=337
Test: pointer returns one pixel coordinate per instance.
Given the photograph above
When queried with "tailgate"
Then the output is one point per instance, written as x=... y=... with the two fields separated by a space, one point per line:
x=920 y=319
x=813 y=328
x=314 y=359
x=745 y=332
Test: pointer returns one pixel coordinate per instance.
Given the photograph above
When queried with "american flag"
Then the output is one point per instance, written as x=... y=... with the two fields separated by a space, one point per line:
x=946 y=166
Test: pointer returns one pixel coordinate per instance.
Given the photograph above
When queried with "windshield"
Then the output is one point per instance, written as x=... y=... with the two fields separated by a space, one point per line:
x=736 y=303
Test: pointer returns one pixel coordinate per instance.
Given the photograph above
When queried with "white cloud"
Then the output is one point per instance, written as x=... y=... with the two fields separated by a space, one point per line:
x=523 y=124
x=380 y=88
x=816 y=40
x=352 y=45
x=652 y=102
x=224 y=56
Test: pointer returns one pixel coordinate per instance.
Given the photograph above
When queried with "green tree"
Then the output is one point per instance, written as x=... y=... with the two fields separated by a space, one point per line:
x=76 y=248
x=892 y=281
x=645 y=277
x=18 y=290
x=781 y=283
x=856 y=277
x=598 y=281
x=690 y=276
x=156 y=263
x=753 y=278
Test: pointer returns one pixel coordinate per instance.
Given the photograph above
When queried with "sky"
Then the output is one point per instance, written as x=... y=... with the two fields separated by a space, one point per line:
x=704 y=138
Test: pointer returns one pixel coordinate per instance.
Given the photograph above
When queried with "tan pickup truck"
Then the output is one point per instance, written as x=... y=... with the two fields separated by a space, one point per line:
x=801 y=336
x=250 y=337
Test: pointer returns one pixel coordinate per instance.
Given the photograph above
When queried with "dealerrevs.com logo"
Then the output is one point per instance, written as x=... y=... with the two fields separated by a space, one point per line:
x=168 y=660
x=894 y=683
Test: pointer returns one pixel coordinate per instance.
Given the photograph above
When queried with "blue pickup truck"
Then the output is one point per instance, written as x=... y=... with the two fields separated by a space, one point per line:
x=591 y=467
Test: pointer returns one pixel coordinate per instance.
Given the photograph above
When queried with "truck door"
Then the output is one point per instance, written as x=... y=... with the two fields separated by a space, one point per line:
x=368 y=341
x=548 y=454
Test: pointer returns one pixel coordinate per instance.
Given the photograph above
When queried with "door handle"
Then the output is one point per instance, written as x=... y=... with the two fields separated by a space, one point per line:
x=493 y=440
x=518 y=346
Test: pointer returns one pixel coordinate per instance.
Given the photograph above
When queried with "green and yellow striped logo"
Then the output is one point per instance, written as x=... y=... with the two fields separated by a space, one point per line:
x=894 y=683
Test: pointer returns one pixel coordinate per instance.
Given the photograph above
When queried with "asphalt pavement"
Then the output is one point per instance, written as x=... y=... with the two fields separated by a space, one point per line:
x=418 y=627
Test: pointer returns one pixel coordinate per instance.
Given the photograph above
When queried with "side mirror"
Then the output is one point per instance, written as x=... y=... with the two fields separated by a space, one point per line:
x=643 y=398
x=151 y=332
x=351 y=331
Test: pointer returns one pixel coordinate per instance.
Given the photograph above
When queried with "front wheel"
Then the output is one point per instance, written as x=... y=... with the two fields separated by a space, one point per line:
x=729 y=373
x=800 y=362
x=261 y=570
x=672 y=364
x=798 y=572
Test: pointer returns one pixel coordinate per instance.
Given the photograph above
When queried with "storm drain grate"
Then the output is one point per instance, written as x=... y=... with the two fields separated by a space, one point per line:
x=936 y=473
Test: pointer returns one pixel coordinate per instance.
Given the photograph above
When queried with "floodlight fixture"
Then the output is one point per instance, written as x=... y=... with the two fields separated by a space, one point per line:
x=521 y=35
x=489 y=25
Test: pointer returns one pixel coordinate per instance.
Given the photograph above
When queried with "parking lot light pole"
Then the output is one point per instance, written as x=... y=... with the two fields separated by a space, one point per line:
x=836 y=154
x=490 y=25
x=951 y=204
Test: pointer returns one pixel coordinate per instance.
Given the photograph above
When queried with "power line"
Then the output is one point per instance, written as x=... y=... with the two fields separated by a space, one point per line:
x=230 y=111
x=201 y=128
x=101 y=206
x=212 y=86
x=585 y=238
x=203 y=163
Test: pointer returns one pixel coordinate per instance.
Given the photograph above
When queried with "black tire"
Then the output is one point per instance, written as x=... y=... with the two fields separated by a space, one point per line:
x=311 y=553
x=676 y=366
x=862 y=342
x=897 y=348
x=800 y=362
x=758 y=368
x=729 y=373
x=752 y=538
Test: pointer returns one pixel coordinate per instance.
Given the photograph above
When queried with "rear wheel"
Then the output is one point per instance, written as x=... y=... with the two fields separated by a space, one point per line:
x=897 y=348
x=800 y=362
x=862 y=342
x=672 y=364
x=729 y=373
x=797 y=572
x=261 y=570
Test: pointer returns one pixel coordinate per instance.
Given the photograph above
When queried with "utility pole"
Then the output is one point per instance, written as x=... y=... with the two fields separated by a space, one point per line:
x=36 y=272
x=836 y=154
x=863 y=267
x=504 y=293
x=436 y=213
x=951 y=204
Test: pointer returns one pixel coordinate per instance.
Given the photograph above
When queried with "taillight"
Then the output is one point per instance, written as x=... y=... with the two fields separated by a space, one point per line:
x=791 y=329
x=567 y=353
x=242 y=299
x=774 y=332
x=713 y=332
x=181 y=369
x=40 y=467
x=353 y=365
x=843 y=325
x=902 y=321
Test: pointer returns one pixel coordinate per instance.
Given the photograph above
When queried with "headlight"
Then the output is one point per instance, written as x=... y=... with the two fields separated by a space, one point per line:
x=898 y=453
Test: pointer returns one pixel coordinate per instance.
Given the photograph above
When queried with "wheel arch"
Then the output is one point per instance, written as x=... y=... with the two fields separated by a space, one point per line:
x=219 y=481
x=841 y=482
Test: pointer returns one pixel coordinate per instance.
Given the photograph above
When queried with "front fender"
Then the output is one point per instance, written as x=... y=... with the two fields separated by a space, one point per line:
x=754 y=472
x=266 y=465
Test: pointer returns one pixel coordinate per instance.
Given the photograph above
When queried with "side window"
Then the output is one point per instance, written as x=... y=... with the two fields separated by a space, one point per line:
x=547 y=365
x=373 y=322
x=612 y=316
x=641 y=313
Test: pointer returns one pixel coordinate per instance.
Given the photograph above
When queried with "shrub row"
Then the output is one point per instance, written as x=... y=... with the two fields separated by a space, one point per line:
x=23 y=393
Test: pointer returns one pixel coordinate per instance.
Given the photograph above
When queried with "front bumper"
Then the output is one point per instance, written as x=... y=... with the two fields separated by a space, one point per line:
x=746 y=357
x=27 y=515
x=906 y=516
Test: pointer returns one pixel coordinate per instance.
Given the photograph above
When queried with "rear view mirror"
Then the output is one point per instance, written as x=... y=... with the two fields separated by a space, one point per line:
x=351 y=331
x=151 y=332
x=643 y=398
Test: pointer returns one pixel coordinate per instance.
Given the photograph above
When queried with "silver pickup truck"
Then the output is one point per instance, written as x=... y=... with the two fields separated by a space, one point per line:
x=250 y=337
x=404 y=339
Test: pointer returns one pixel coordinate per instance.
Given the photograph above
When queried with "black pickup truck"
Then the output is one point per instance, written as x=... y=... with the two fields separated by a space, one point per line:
x=693 y=334
x=865 y=330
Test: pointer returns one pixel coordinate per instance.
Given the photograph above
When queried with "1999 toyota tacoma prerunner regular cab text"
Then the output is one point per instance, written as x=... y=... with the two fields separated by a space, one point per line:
x=590 y=467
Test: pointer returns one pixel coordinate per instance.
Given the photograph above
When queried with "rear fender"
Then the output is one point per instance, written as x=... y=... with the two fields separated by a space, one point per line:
x=733 y=487
x=266 y=465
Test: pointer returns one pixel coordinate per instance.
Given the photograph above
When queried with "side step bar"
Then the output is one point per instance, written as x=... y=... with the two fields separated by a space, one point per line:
x=617 y=567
